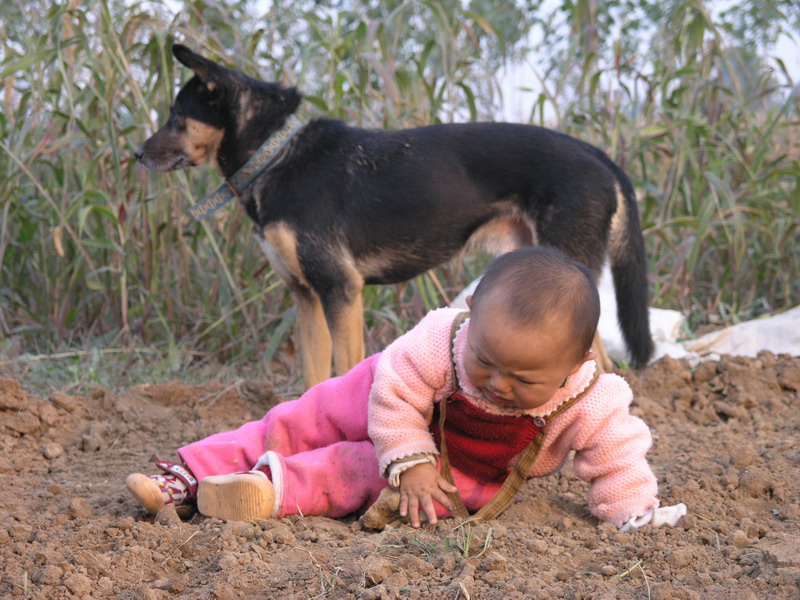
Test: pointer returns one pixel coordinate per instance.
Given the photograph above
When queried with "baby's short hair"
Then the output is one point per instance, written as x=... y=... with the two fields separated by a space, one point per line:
x=536 y=283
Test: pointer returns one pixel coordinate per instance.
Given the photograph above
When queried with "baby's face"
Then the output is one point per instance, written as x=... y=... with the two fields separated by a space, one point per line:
x=518 y=367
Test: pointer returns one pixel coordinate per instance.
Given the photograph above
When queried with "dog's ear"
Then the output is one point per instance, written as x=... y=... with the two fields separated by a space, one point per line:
x=290 y=98
x=208 y=71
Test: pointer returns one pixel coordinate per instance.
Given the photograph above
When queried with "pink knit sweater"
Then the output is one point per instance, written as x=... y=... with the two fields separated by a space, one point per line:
x=414 y=373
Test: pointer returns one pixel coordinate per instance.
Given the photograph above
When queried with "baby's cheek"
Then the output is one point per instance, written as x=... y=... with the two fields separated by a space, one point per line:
x=476 y=374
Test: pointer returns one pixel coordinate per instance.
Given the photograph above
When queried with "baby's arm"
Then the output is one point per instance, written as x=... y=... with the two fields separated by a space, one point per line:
x=413 y=373
x=623 y=487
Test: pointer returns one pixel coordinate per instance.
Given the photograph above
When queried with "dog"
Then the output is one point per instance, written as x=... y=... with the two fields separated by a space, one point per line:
x=336 y=207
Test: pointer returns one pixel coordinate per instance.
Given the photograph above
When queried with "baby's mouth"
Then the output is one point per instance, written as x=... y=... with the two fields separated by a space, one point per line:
x=495 y=399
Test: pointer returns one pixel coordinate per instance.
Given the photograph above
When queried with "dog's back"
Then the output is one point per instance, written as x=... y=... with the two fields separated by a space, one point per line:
x=343 y=206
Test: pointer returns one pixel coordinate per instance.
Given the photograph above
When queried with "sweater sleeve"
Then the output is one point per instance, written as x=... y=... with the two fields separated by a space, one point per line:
x=612 y=458
x=412 y=374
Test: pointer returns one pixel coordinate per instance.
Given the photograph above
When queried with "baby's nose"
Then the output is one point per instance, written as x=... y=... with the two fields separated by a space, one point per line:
x=499 y=382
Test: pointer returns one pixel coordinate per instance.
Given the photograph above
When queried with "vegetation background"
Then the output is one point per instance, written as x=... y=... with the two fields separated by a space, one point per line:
x=104 y=278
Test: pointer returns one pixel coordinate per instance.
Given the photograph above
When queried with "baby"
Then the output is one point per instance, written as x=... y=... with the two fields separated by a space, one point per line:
x=521 y=390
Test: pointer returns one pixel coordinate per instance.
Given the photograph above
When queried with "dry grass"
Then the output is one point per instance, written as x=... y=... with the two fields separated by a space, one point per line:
x=97 y=254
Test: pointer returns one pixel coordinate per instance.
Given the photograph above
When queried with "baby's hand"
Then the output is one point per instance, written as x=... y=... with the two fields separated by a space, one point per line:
x=419 y=487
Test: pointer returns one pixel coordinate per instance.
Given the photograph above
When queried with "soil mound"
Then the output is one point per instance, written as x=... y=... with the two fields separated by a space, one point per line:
x=726 y=443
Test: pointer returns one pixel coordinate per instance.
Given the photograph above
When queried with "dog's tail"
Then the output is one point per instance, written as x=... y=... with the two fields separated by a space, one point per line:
x=628 y=260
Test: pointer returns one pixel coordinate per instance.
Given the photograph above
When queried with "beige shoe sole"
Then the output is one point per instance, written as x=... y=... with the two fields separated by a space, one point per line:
x=146 y=492
x=236 y=497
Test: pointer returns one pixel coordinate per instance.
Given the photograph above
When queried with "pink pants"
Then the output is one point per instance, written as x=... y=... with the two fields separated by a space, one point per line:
x=322 y=460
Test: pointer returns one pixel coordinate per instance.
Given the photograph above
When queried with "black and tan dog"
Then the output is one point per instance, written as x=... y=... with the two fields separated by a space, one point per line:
x=337 y=207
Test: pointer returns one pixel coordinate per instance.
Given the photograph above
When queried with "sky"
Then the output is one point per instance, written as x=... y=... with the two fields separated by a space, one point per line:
x=518 y=102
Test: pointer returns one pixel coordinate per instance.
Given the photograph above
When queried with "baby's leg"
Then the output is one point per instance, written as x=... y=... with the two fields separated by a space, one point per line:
x=330 y=412
x=332 y=481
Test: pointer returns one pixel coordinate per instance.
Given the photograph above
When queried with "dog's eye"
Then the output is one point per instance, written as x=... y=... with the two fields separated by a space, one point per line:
x=177 y=122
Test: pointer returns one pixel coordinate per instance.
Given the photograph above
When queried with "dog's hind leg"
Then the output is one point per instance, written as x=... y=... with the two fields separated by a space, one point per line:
x=604 y=362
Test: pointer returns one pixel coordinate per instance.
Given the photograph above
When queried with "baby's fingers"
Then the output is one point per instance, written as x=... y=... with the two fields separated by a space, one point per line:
x=446 y=485
x=409 y=506
x=429 y=509
x=442 y=498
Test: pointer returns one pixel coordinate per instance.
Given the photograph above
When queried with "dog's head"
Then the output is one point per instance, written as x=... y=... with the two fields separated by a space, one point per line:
x=220 y=117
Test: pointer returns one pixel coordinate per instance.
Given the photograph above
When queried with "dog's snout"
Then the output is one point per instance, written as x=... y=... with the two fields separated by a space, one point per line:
x=139 y=153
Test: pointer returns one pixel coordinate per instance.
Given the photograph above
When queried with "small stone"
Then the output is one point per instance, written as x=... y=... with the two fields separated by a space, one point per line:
x=228 y=561
x=494 y=561
x=608 y=570
x=414 y=564
x=178 y=583
x=705 y=372
x=445 y=562
x=377 y=568
x=143 y=592
x=783 y=553
x=682 y=557
x=91 y=443
x=78 y=584
x=755 y=482
x=52 y=450
x=539 y=546
x=744 y=456
x=168 y=516
x=55 y=489
x=396 y=580
x=21 y=532
x=64 y=401
x=223 y=591
x=240 y=529
x=79 y=508
x=51 y=575
x=374 y=593
x=740 y=539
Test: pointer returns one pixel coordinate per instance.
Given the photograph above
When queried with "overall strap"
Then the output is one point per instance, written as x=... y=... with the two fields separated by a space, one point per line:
x=456 y=503
x=519 y=473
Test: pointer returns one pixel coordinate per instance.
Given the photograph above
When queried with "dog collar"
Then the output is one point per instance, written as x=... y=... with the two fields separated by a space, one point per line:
x=244 y=176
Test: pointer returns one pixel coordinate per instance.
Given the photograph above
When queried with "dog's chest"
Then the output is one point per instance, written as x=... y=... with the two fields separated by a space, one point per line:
x=279 y=243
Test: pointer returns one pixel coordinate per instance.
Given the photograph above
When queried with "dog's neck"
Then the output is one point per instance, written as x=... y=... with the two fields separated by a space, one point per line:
x=238 y=182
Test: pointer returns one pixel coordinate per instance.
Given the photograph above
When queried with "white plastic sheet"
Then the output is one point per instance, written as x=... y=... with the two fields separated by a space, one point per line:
x=778 y=333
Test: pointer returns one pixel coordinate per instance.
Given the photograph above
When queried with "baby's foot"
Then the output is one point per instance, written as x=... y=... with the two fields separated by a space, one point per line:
x=236 y=497
x=175 y=486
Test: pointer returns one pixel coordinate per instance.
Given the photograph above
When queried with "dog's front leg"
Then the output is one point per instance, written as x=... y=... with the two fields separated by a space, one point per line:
x=346 y=323
x=315 y=338
x=279 y=242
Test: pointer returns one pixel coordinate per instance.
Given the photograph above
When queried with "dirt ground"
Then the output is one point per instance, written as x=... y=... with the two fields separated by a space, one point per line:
x=726 y=443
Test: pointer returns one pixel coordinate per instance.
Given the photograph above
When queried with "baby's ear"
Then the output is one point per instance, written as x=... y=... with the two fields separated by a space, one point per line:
x=590 y=355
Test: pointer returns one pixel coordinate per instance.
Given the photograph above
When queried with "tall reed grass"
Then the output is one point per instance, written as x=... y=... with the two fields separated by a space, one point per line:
x=94 y=252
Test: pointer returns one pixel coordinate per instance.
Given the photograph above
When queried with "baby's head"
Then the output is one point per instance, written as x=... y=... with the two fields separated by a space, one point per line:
x=534 y=316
